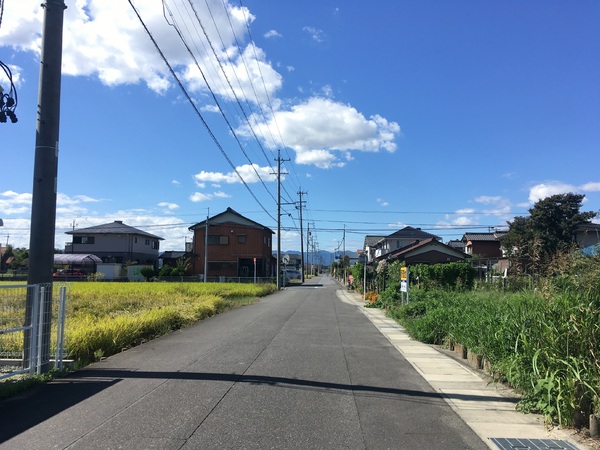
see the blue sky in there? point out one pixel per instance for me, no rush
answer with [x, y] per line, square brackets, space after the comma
[449, 116]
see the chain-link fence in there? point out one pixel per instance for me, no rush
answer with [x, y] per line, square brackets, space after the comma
[32, 319]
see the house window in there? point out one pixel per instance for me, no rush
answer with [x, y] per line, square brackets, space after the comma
[83, 239]
[218, 240]
[147, 242]
[135, 240]
[155, 245]
[241, 238]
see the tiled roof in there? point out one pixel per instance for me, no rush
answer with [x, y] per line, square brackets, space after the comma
[233, 216]
[371, 240]
[116, 227]
[488, 237]
[417, 244]
[413, 233]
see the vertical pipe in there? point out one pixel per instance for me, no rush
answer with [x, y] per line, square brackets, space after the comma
[41, 326]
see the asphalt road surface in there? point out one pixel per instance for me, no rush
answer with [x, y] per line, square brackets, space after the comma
[300, 369]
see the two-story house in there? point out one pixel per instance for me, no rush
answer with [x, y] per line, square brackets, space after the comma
[400, 239]
[115, 242]
[483, 245]
[236, 245]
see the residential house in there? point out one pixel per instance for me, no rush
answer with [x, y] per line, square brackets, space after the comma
[483, 245]
[172, 258]
[587, 235]
[400, 239]
[427, 251]
[457, 244]
[116, 243]
[236, 245]
[370, 246]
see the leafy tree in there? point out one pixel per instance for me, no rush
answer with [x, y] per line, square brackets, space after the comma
[147, 272]
[20, 257]
[548, 230]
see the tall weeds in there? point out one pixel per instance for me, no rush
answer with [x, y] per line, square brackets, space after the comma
[544, 342]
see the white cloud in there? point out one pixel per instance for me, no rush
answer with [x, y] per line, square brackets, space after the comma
[382, 202]
[318, 158]
[272, 34]
[543, 190]
[72, 210]
[197, 197]
[251, 173]
[465, 211]
[176, 183]
[318, 127]
[593, 186]
[221, 194]
[169, 206]
[104, 38]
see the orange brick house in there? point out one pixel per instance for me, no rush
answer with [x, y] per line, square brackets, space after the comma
[234, 243]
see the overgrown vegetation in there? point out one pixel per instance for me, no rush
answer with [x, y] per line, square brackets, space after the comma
[543, 341]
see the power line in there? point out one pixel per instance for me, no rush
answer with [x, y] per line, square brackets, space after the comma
[191, 102]
[178, 30]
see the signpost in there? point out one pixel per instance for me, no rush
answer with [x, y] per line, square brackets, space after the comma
[404, 283]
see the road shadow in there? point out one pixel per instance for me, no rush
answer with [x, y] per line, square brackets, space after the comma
[21, 413]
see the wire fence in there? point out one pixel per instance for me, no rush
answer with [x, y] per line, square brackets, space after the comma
[32, 328]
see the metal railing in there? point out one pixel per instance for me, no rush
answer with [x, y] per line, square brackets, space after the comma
[24, 340]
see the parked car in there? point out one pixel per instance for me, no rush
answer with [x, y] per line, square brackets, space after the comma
[293, 274]
[70, 274]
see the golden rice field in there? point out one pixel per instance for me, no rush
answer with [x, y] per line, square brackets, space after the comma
[106, 318]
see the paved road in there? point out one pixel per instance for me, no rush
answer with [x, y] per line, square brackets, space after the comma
[299, 369]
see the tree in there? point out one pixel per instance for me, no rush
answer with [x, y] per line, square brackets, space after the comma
[549, 230]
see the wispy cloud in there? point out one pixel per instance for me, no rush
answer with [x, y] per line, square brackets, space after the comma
[315, 34]
[272, 34]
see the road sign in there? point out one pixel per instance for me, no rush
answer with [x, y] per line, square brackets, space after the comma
[403, 276]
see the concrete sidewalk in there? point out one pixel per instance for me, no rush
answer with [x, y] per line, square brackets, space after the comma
[488, 408]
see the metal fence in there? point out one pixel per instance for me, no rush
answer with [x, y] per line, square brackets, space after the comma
[31, 334]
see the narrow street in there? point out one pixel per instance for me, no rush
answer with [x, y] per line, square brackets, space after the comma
[299, 369]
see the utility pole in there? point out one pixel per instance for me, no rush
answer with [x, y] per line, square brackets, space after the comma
[45, 171]
[307, 245]
[344, 257]
[279, 161]
[301, 236]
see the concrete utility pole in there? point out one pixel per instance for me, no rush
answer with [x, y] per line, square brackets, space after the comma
[279, 161]
[301, 236]
[45, 171]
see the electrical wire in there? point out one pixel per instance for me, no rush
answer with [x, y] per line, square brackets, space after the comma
[215, 99]
[191, 102]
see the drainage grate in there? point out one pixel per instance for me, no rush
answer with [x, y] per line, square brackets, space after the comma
[532, 444]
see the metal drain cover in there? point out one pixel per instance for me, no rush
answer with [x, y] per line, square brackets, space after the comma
[532, 444]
